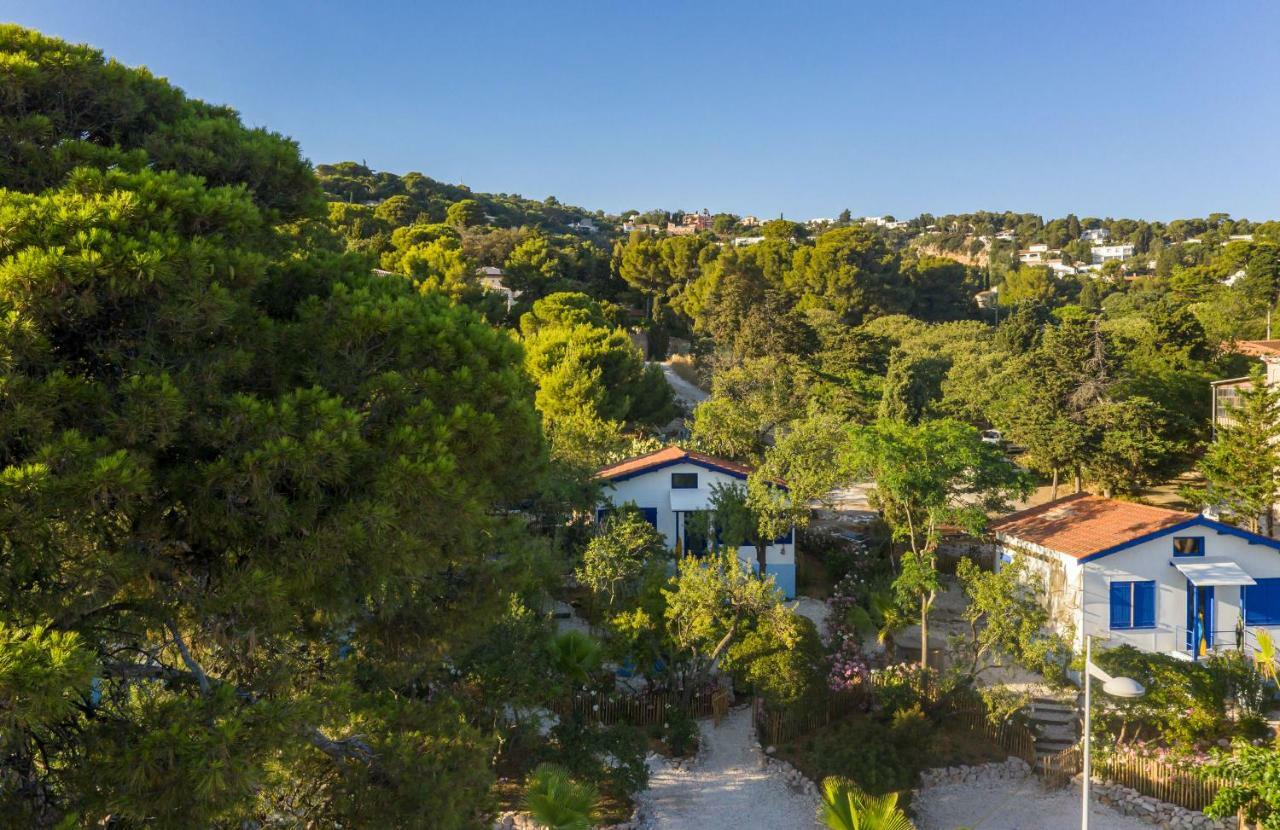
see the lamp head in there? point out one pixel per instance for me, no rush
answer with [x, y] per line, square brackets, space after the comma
[1123, 687]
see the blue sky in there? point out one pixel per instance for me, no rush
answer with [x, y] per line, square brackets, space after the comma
[1143, 109]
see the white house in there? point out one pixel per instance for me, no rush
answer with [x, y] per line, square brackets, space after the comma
[491, 279]
[1105, 253]
[1096, 235]
[585, 224]
[669, 485]
[1160, 580]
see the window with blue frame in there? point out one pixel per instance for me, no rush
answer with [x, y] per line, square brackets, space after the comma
[1188, 546]
[684, 481]
[1133, 605]
[1262, 602]
[650, 515]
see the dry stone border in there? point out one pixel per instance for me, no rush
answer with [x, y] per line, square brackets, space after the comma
[1162, 814]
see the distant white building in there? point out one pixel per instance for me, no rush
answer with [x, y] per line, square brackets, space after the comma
[1105, 253]
[1096, 235]
[1038, 254]
[884, 222]
[1061, 269]
[586, 224]
[1006, 236]
[750, 222]
[491, 280]
[744, 241]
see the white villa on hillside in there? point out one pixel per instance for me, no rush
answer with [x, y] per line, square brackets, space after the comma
[669, 485]
[1105, 253]
[1161, 580]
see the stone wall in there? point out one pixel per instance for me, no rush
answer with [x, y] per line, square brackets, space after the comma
[1013, 769]
[1160, 813]
[521, 821]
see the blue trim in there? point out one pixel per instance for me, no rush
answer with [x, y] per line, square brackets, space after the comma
[1261, 602]
[1194, 521]
[697, 462]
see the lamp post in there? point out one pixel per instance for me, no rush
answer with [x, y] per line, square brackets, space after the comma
[1116, 687]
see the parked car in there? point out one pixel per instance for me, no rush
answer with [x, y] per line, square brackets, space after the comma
[992, 436]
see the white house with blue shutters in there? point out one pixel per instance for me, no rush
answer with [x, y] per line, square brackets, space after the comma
[1160, 580]
[670, 486]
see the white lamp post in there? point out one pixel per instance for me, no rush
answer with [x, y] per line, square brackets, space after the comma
[1114, 686]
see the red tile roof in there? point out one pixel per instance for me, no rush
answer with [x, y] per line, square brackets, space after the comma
[668, 455]
[1258, 348]
[1082, 525]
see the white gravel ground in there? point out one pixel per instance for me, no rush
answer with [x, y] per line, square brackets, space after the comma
[1011, 805]
[727, 789]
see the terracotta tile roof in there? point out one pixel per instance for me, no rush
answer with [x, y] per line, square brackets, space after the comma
[668, 455]
[1082, 525]
[1258, 348]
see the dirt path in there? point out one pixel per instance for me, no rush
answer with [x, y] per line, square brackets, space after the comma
[686, 392]
[728, 789]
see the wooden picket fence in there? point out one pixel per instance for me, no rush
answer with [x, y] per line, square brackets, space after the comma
[641, 709]
[1149, 776]
[1012, 737]
[1153, 777]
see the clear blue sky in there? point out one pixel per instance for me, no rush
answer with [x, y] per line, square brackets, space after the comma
[1142, 109]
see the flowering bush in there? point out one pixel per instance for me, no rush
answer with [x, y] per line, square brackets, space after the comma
[849, 668]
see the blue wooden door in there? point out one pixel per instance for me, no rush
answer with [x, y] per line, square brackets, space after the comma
[1199, 619]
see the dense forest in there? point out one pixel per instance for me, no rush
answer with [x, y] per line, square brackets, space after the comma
[287, 489]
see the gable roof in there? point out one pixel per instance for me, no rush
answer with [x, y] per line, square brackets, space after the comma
[1258, 348]
[665, 458]
[1084, 526]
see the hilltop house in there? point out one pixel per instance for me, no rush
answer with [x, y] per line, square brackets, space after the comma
[1105, 253]
[1226, 393]
[671, 485]
[1160, 580]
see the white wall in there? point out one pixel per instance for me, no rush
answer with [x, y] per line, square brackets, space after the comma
[653, 489]
[1152, 560]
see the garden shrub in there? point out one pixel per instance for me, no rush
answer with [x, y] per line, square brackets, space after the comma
[880, 756]
[611, 757]
[680, 732]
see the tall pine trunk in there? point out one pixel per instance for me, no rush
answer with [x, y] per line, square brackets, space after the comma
[924, 632]
[1054, 494]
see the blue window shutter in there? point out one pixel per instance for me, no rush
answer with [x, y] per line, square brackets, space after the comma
[1144, 605]
[1262, 602]
[650, 515]
[785, 539]
[602, 513]
[1121, 604]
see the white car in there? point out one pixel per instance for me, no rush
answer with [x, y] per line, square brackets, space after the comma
[992, 436]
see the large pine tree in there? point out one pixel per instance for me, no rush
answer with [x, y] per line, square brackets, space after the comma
[251, 496]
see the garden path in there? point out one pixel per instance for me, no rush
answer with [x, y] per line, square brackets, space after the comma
[727, 789]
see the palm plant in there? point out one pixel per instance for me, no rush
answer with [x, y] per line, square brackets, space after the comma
[575, 655]
[845, 806]
[1266, 655]
[557, 802]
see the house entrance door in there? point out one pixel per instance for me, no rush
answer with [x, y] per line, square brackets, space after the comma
[1199, 619]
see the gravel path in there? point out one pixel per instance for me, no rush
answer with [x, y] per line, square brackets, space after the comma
[727, 789]
[688, 394]
[1011, 805]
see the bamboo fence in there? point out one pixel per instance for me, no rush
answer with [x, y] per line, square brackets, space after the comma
[1150, 776]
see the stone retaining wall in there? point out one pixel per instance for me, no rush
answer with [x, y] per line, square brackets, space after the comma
[1013, 769]
[1160, 813]
[521, 821]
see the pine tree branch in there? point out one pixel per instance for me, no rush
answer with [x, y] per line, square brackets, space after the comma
[190, 661]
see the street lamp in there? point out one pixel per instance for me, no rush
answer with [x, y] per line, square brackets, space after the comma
[1116, 687]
